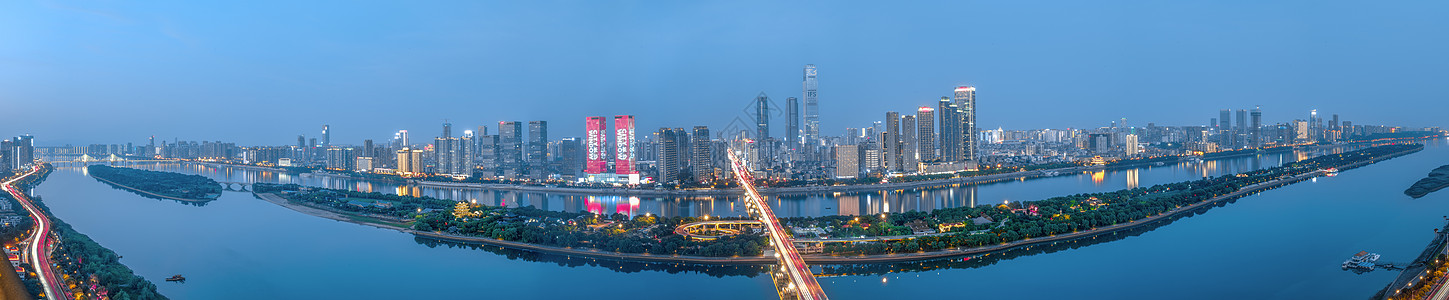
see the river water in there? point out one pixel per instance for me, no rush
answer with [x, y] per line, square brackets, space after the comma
[1282, 243]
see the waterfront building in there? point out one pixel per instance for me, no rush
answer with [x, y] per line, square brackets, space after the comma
[538, 149]
[950, 130]
[910, 160]
[595, 145]
[892, 142]
[510, 149]
[570, 157]
[926, 133]
[624, 146]
[670, 160]
[701, 163]
[1240, 131]
[1256, 136]
[1130, 145]
[966, 105]
[847, 161]
[812, 108]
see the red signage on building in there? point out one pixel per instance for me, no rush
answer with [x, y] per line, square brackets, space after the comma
[624, 145]
[597, 160]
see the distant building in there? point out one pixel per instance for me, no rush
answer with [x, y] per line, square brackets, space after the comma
[702, 165]
[624, 145]
[966, 105]
[847, 161]
[538, 149]
[510, 149]
[926, 133]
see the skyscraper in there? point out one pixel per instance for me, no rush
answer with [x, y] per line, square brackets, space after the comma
[812, 109]
[624, 145]
[966, 104]
[762, 131]
[1256, 132]
[538, 149]
[464, 153]
[671, 154]
[892, 142]
[701, 164]
[909, 158]
[792, 123]
[595, 145]
[950, 133]
[926, 133]
[1225, 122]
[571, 156]
[510, 149]
[1240, 132]
[326, 136]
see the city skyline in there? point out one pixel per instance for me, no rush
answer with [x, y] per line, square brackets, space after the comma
[210, 80]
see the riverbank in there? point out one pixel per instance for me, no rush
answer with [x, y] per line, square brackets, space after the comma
[323, 213]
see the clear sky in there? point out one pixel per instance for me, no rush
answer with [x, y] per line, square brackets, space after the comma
[262, 72]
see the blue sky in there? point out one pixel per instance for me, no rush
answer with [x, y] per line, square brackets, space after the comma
[261, 72]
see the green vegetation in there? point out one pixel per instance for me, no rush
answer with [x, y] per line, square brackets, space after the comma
[1437, 179]
[161, 183]
[617, 232]
[1059, 215]
[87, 263]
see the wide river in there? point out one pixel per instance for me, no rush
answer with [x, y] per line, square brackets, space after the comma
[1282, 243]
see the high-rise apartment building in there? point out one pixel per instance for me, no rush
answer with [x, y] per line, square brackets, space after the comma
[702, 165]
[909, 159]
[596, 145]
[792, 125]
[950, 133]
[326, 136]
[966, 104]
[510, 149]
[670, 160]
[1256, 131]
[538, 149]
[847, 161]
[926, 133]
[892, 142]
[1225, 121]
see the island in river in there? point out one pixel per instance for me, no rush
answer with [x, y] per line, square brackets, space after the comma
[1437, 179]
[838, 239]
[168, 185]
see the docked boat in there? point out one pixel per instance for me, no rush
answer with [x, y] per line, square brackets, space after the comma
[1363, 260]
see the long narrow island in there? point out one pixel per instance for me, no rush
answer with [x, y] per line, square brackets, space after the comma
[157, 184]
[891, 237]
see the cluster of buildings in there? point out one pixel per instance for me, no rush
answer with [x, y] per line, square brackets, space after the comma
[940, 137]
[16, 154]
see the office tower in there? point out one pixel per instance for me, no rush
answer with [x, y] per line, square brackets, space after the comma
[1301, 131]
[24, 150]
[701, 163]
[364, 164]
[463, 154]
[909, 158]
[510, 149]
[1100, 143]
[966, 104]
[367, 149]
[341, 159]
[892, 142]
[812, 108]
[950, 137]
[763, 155]
[409, 161]
[1241, 130]
[670, 154]
[1130, 145]
[443, 151]
[538, 149]
[570, 156]
[870, 156]
[847, 161]
[624, 145]
[1257, 129]
[792, 124]
[447, 129]
[596, 141]
[7, 156]
[1225, 128]
[926, 133]
[1313, 129]
[488, 155]
[402, 139]
[326, 136]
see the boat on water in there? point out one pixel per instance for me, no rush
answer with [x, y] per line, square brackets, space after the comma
[176, 277]
[1363, 260]
[1330, 172]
